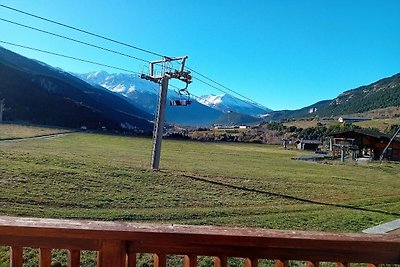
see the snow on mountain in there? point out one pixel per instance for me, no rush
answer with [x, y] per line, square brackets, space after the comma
[226, 102]
[42, 94]
[144, 94]
[141, 93]
[124, 84]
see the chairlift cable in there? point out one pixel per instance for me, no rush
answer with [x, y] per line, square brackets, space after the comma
[223, 86]
[75, 40]
[82, 31]
[254, 103]
[69, 57]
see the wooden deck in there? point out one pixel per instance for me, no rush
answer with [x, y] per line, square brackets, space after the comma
[118, 243]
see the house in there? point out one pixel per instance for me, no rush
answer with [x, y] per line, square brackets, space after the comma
[307, 144]
[351, 119]
[366, 143]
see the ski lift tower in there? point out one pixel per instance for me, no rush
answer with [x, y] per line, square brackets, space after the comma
[163, 78]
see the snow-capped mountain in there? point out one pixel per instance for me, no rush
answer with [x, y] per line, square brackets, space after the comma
[141, 92]
[144, 94]
[39, 93]
[228, 103]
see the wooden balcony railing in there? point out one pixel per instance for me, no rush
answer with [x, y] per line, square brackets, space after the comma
[118, 243]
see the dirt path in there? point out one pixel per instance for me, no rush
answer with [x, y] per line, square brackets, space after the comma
[45, 136]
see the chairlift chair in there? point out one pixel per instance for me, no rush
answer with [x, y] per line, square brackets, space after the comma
[184, 98]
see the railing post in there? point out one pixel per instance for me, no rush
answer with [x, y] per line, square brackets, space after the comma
[74, 258]
[131, 261]
[250, 262]
[220, 261]
[160, 260]
[112, 254]
[16, 256]
[190, 261]
[44, 257]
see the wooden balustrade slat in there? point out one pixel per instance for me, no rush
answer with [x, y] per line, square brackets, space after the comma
[220, 261]
[342, 264]
[131, 260]
[160, 260]
[190, 261]
[281, 263]
[312, 264]
[250, 262]
[312, 252]
[112, 254]
[16, 256]
[74, 258]
[44, 257]
[114, 239]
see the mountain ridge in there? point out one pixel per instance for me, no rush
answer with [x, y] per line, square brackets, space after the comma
[37, 92]
[144, 94]
[123, 106]
[383, 93]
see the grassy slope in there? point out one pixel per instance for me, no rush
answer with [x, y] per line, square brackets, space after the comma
[310, 123]
[381, 124]
[106, 177]
[23, 131]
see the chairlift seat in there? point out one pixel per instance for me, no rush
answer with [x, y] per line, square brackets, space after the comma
[180, 102]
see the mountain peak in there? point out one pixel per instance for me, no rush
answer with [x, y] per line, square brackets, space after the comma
[227, 102]
[97, 74]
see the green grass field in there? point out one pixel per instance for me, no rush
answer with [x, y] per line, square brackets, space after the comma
[105, 177]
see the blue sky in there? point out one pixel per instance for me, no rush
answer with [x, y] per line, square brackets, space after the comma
[284, 54]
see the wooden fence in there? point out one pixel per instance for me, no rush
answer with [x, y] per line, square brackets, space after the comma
[118, 243]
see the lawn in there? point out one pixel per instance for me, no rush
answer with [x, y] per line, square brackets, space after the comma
[107, 177]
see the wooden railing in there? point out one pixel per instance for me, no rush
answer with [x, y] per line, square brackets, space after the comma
[118, 243]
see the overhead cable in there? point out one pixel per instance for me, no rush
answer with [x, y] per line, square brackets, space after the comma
[70, 57]
[223, 86]
[87, 61]
[254, 103]
[74, 40]
[80, 30]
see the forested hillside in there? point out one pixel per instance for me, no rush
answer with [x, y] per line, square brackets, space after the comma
[381, 94]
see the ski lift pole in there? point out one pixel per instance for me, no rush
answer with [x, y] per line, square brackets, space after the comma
[159, 124]
[163, 79]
